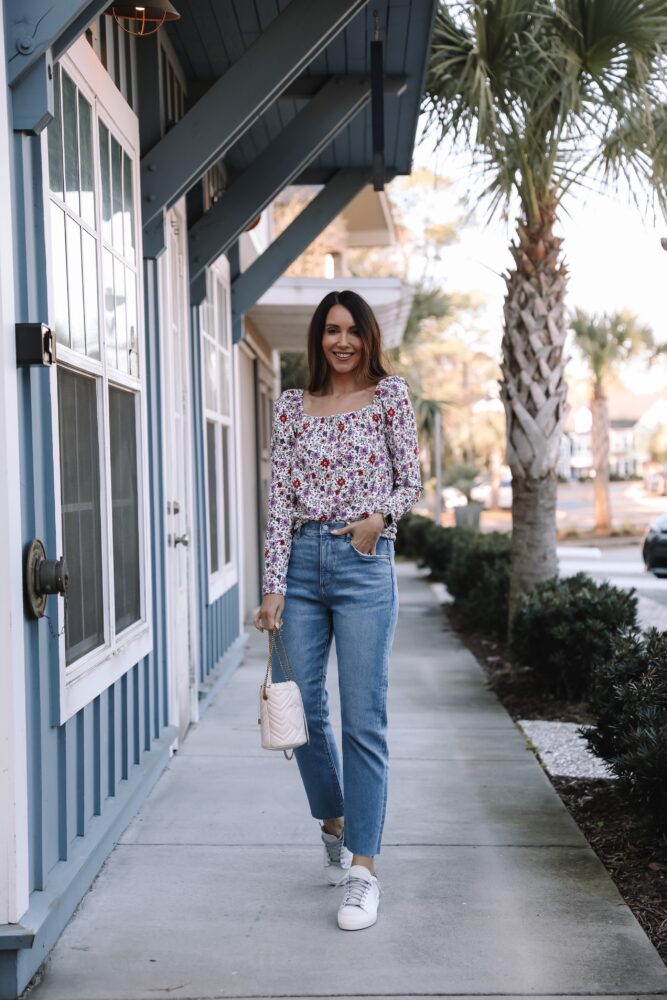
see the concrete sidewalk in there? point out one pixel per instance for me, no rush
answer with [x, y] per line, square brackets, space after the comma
[216, 891]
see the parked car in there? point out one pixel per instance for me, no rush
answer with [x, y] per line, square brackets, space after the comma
[481, 491]
[654, 549]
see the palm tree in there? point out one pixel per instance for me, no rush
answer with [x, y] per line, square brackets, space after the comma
[547, 95]
[606, 342]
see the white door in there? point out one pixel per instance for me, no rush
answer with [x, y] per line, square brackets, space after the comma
[175, 364]
[248, 481]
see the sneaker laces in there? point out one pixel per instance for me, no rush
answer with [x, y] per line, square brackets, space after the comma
[334, 849]
[356, 891]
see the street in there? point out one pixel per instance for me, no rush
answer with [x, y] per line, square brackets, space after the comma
[617, 560]
[622, 566]
[632, 509]
[631, 505]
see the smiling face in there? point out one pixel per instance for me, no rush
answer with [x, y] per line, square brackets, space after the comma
[342, 343]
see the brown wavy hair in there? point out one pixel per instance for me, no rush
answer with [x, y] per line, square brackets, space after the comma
[374, 363]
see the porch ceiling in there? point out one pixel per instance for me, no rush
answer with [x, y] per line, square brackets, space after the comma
[284, 311]
[214, 34]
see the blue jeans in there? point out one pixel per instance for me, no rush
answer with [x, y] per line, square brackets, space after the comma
[335, 591]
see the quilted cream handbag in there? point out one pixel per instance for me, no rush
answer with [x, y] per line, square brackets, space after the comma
[281, 715]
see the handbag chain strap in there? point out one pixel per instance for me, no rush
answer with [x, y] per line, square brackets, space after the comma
[288, 673]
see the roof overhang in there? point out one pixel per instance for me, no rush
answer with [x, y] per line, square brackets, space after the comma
[283, 313]
[368, 220]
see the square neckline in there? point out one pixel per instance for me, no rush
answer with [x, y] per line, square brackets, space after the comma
[343, 413]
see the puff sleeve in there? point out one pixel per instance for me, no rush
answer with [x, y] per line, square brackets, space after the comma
[281, 505]
[401, 437]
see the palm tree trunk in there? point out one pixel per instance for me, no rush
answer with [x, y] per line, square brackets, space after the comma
[534, 545]
[600, 448]
[534, 392]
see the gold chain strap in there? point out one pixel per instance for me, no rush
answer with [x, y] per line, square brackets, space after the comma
[288, 673]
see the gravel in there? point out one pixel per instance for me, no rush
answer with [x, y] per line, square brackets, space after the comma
[562, 750]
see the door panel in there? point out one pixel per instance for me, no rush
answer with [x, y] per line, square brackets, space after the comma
[175, 360]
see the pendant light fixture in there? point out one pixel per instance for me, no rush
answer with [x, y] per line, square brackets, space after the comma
[143, 19]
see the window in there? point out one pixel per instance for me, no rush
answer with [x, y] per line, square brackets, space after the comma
[217, 380]
[80, 496]
[94, 284]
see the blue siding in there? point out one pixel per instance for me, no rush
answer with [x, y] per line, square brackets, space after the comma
[88, 776]
[221, 627]
[75, 769]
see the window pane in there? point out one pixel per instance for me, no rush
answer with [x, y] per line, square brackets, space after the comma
[211, 363]
[71, 144]
[117, 194]
[59, 274]
[106, 182]
[226, 473]
[55, 134]
[86, 161]
[128, 205]
[212, 497]
[132, 329]
[121, 318]
[109, 299]
[75, 287]
[80, 492]
[125, 506]
[89, 247]
[223, 363]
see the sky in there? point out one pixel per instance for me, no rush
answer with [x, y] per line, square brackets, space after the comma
[613, 252]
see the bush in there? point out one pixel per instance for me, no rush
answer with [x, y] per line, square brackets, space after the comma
[411, 540]
[474, 567]
[629, 702]
[563, 628]
[477, 576]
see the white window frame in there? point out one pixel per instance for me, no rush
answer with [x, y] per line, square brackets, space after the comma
[82, 681]
[226, 576]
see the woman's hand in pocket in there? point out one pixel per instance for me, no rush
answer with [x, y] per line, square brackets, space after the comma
[270, 612]
[365, 533]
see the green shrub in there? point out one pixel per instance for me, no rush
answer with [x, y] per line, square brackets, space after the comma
[413, 530]
[564, 627]
[629, 702]
[474, 567]
[477, 576]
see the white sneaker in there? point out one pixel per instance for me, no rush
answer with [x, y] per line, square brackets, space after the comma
[359, 909]
[337, 858]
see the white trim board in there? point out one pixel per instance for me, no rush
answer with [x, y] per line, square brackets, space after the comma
[14, 877]
[93, 673]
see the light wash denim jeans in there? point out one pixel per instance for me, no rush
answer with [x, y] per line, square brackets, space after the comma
[335, 591]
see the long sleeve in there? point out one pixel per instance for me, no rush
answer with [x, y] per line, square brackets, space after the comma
[280, 515]
[402, 444]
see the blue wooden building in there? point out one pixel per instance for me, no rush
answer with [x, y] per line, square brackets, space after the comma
[135, 174]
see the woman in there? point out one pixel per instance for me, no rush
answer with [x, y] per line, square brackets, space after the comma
[345, 468]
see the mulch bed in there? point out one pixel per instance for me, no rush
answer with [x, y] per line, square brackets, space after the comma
[632, 855]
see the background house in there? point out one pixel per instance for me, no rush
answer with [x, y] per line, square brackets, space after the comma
[636, 424]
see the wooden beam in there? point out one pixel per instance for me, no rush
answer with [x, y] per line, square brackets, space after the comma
[34, 26]
[248, 288]
[239, 97]
[296, 146]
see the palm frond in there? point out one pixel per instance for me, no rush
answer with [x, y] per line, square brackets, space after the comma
[551, 91]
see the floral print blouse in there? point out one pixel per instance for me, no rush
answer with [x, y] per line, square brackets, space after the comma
[339, 467]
